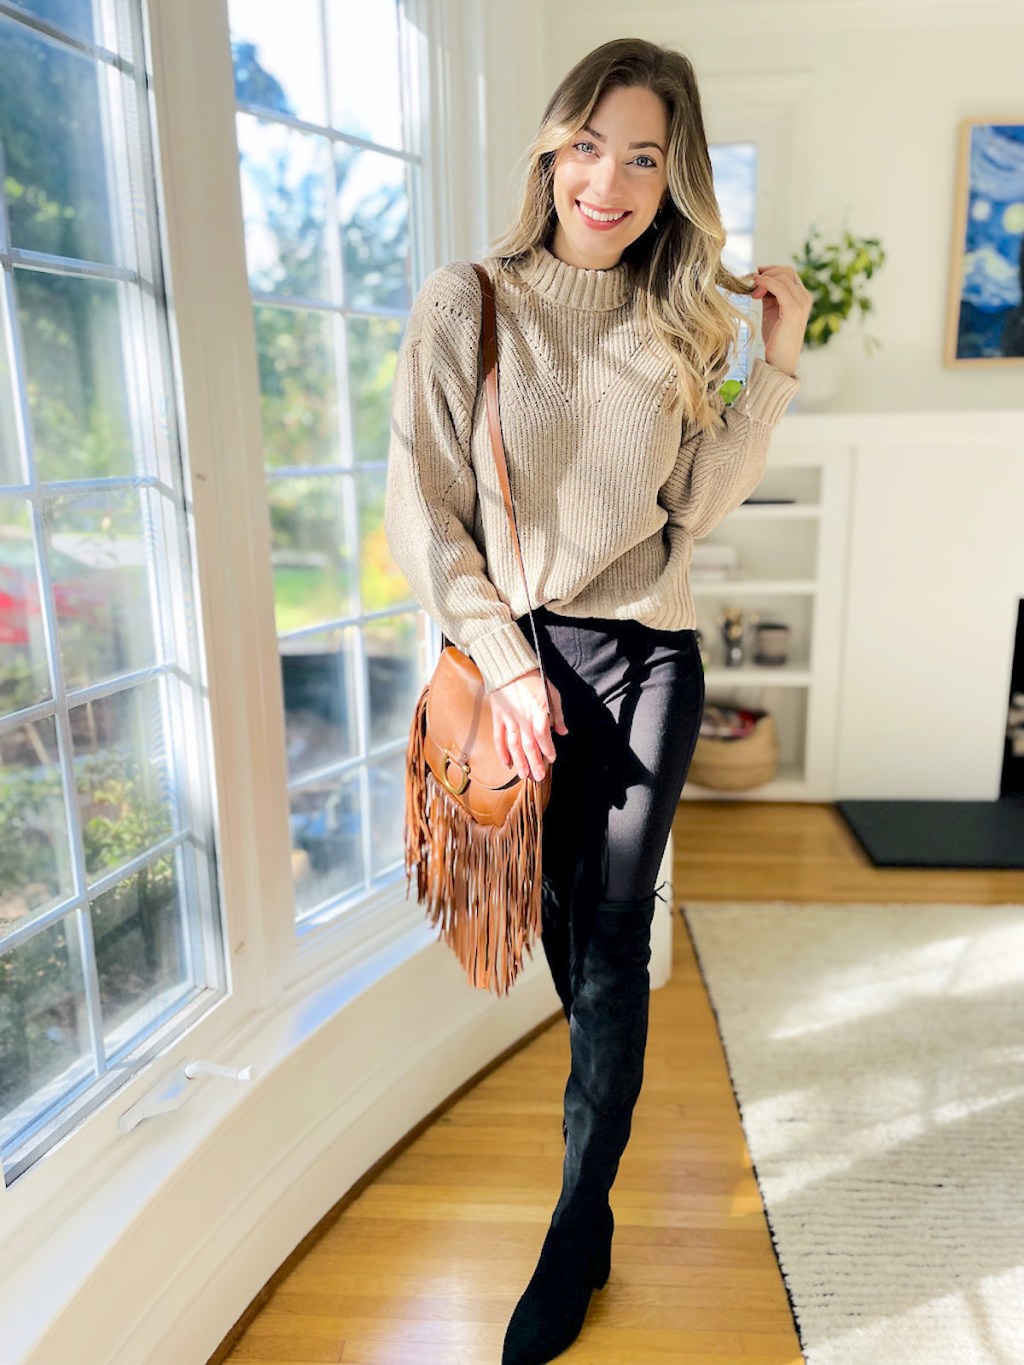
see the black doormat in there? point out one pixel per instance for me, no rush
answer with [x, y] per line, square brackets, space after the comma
[986, 834]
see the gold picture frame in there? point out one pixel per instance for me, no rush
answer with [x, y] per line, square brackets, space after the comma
[985, 318]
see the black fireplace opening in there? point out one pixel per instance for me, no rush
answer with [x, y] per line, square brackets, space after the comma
[1012, 781]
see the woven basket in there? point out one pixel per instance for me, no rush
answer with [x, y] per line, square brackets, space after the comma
[737, 764]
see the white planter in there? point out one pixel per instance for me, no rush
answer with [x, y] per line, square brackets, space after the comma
[818, 370]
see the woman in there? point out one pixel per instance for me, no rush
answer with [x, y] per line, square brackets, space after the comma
[614, 333]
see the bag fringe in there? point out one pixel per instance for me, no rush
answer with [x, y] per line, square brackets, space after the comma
[470, 877]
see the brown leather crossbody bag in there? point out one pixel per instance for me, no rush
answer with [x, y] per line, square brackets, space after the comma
[473, 827]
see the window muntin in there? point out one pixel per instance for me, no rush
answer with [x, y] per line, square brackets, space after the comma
[109, 919]
[331, 183]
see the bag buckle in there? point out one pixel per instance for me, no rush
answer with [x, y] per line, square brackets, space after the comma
[455, 791]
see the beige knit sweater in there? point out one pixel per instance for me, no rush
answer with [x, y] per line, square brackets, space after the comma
[610, 490]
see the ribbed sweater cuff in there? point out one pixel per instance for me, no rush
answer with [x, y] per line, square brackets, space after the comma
[767, 392]
[502, 655]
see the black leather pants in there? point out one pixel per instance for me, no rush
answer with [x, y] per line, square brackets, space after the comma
[633, 698]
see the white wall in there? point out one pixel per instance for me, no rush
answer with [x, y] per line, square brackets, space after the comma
[866, 99]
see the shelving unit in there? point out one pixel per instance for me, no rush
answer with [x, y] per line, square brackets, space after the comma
[792, 557]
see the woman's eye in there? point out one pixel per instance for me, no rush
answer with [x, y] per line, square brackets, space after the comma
[581, 144]
[645, 157]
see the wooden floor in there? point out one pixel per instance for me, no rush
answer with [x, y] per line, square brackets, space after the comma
[425, 1265]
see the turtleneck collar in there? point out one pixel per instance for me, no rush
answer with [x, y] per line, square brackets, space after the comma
[573, 286]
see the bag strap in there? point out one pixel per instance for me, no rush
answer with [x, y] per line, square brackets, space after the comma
[489, 343]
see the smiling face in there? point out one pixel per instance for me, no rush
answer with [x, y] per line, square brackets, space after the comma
[610, 179]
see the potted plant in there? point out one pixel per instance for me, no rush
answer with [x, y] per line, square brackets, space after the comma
[835, 274]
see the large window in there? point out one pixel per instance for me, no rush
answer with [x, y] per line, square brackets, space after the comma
[109, 924]
[331, 179]
[735, 170]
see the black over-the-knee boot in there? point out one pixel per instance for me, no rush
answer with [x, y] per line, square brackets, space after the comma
[608, 1038]
[556, 939]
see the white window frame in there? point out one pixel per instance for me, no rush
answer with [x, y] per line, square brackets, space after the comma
[269, 967]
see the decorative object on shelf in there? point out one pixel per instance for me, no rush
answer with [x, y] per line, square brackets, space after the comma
[714, 562]
[834, 273]
[985, 321]
[772, 644]
[736, 749]
[731, 621]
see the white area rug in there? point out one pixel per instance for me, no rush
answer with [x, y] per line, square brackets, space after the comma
[877, 1055]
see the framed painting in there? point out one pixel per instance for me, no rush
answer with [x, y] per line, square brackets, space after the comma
[985, 323]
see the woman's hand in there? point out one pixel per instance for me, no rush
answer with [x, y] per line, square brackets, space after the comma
[786, 306]
[522, 730]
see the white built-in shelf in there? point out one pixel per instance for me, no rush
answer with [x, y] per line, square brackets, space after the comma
[782, 511]
[757, 675]
[791, 556]
[717, 586]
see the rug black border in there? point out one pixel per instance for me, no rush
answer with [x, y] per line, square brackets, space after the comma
[739, 1107]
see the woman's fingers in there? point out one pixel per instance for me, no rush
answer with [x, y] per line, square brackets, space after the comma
[557, 716]
[519, 760]
[501, 745]
[523, 736]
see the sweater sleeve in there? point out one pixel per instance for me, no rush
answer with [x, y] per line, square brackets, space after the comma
[715, 471]
[430, 492]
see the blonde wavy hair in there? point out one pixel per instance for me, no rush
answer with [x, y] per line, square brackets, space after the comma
[677, 266]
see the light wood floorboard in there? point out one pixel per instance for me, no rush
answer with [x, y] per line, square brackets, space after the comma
[424, 1265]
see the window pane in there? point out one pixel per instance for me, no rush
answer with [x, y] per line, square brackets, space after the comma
[57, 183]
[381, 582]
[35, 854]
[298, 391]
[44, 1026]
[326, 370]
[318, 674]
[97, 557]
[365, 76]
[312, 571]
[392, 653]
[74, 372]
[373, 208]
[372, 346]
[735, 170]
[24, 677]
[141, 952]
[328, 838]
[73, 16]
[92, 783]
[123, 775]
[284, 196]
[278, 56]
[387, 803]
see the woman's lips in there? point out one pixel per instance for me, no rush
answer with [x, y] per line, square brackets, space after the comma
[601, 227]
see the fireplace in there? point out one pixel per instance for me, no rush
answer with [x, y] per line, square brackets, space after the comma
[1012, 783]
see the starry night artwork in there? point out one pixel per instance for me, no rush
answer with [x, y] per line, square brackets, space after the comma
[986, 314]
